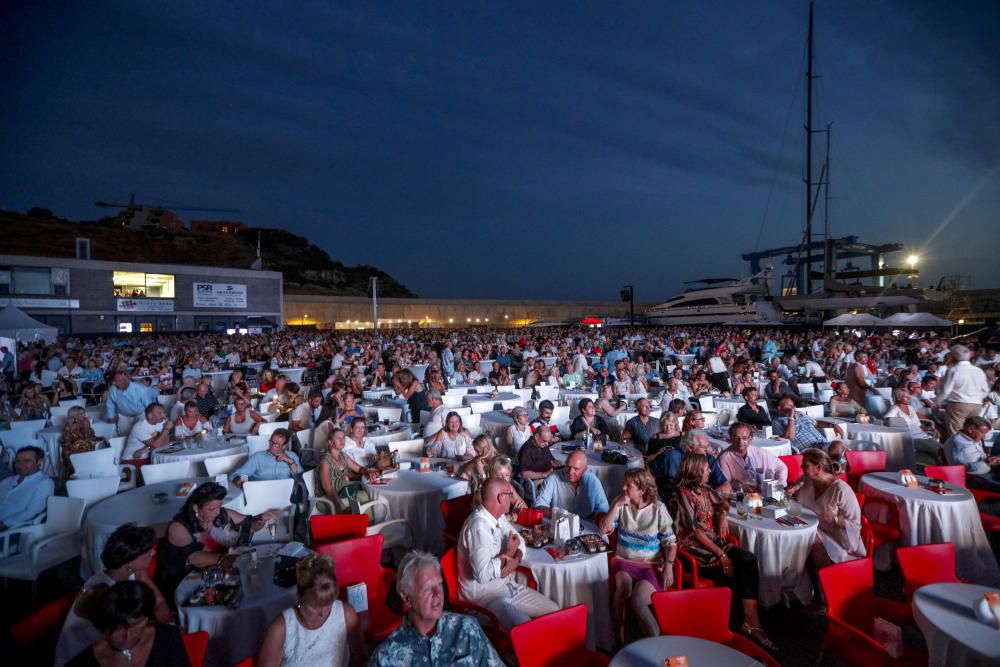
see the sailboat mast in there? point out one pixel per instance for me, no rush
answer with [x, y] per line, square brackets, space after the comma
[809, 133]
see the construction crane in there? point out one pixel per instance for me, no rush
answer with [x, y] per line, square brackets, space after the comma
[131, 204]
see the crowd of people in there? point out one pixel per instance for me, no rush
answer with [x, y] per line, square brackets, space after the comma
[946, 393]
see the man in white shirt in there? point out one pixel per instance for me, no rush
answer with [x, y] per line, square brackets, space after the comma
[438, 413]
[675, 389]
[580, 363]
[148, 434]
[489, 551]
[963, 389]
[305, 413]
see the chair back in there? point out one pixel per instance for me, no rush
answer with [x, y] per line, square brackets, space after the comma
[695, 612]
[449, 572]
[30, 425]
[98, 463]
[267, 428]
[552, 639]
[455, 511]
[926, 564]
[219, 465]
[58, 421]
[329, 528]
[867, 534]
[167, 401]
[117, 444]
[262, 495]
[849, 593]
[453, 400]
[40, 630]
[953, 474]
[480, 407]
[794, 464]
[413, 447]
[511, 403]
[358, 560]
[195, 645]
[392, 413]
[166, 472]
[105, 430]
[63, 515]
[92, 490]
[861, 461]
[257, 443]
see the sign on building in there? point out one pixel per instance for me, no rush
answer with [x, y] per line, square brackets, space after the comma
[145, 305]
[220, 295]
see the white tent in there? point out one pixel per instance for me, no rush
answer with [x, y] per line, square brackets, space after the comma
[20, 327]
[854, 320]
[917, 320]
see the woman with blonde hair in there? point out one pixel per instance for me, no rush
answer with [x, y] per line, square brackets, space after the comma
[320, 629]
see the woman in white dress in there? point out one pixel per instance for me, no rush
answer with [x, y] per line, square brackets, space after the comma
[517, 433]
[319, 631]
[451, 442]
[902, 410]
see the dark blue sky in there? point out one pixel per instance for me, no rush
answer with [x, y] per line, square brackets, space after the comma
[516, 150]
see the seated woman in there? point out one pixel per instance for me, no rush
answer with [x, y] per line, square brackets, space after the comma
[77, 437]
[644, 557]
[700, 384]
[821, 490]
[434, 379]
[588, 421]
[243, 421]
[474, 470]
[702, 527]
[32, 404]
[842, 405]
[126, 556]
[320, 629]
[358, 447]
[903, 410]
[608, 412]
[348, 411]
[232, 386]
[515, 435]
[64, 388]
[338, 473]
[501, 468]
[453, 441]
[200, 535]
[192, 423]
[125, 616]
[408, 387]
[267, 378]
[668, 438]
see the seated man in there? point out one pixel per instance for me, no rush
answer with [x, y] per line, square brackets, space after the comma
[801, 430]
[148, 434]
[536, 375]
[573, 488]
[544, 419]
[776, 388]
[666, 465]
[24, 494]
[743, 461]
[535, 458]
[438, 412]
[273, 463]
[429, 635]
[499, 376]
[641, 428]
[751, 413]
[489, 551]
[675, 390]
[967, 448]
[305, 413]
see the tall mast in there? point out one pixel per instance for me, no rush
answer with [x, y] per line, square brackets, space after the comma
[809, 133]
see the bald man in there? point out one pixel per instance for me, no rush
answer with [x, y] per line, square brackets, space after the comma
[573, 488]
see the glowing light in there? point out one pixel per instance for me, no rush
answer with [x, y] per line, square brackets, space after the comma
[912, 260]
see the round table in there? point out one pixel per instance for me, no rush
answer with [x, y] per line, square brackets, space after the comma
[234, 634]
[897, 443]
[416, 497]
[219, 380]
[384, 435]
[651, 652]
[955, 636]
[781, 553]
[208, 448]
[469, 399]
[496, 422]
[293, 374]
[926, 517]
[778, 447]
[611, 475]
[572, 396]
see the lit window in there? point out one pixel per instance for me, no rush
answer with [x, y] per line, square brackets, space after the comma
[124, 327]
[145, 327]
[134, 284]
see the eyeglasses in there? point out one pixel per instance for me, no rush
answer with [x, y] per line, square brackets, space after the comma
[504, 493]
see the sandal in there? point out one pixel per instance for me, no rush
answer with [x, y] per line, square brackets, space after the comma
[758, 635]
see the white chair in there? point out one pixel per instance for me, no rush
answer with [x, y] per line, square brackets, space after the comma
[317, 504]
[74, 402]
[425, 418]
[546, 393]
[560, 413]
[411, 447]
[266, 429]
[814, 411]
[59, 410]
[167, 401]
[393, 414]
[264, 495]
[706, 403]
[92, 490]
[712, 419]
[824, 395]
[807, 390]
[118, 445]
[512, 403]
[479, 407]
[452, 400]
[524, 394]
[166, 472]
[219, 465]
[31, 425]
[106, 430]
[396, 533]
[58, 420]
[464, 410]
[483, 389]
[98, 463]
[473, 423]
[257, 443]
[43, 545]
[505, 387]
[304, 438]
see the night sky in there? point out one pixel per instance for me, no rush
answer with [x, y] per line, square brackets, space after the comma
[517, 150]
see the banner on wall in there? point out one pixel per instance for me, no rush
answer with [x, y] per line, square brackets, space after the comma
[220, 295]
[145, 305]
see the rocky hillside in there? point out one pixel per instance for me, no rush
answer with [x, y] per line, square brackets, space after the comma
[308, 269]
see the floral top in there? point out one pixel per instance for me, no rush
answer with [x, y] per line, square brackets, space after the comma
[696, 510]
[76, 438]
[457, 640]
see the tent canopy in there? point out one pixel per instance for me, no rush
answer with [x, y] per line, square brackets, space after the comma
[854, 320]
[21, 327]
[590, 320]
[917, 320]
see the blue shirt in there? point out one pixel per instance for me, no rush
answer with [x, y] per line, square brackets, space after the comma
[588, 499]
[666, 467]
[806, 433]
[22, 500]
[457, 640]
[264, 466]
[131, 401]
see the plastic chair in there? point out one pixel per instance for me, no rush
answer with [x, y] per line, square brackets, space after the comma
[455, 511]
[37, 634]
[880, 532]
[166, 472]
[794, 464]
[559, 638]
[195, 644]
[690, 577]
[93, 489]
[359, 561]
[330, 528]
[413, 447]
[393, 414]
[861, 462]
[926, 564]
[487, 619]
[257, 443]
[223, 465]
[44, 545]
[851, 611]
[704, 614]
[395, 532]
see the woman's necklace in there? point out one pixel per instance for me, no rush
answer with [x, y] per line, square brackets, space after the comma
[127, 652]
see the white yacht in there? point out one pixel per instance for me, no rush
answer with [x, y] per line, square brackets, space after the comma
[722, 300]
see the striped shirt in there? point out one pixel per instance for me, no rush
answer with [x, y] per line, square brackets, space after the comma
[642, 533]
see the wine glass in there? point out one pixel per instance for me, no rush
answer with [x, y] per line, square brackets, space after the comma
[795, 508]
[272, 527]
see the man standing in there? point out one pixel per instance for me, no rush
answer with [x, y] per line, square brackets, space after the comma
[7, 363]
[743, 461]
[639, 430]
[963, 389]
[573, 488]
[448, 360]
[24, 495]
[127, 401]
[489, 551]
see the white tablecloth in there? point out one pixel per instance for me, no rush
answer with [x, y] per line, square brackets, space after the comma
[377, 394]
[611, 475]
[781, 553]
[207, 449]
[779, 447]
[469, 399]
[219, 380]
[651, 651]
[955, 636]
[572, 396]
[387, 434]
[928, 518]
[417, 497]
[234, 634]
[294, 374]
[897, 443]
[496, 422]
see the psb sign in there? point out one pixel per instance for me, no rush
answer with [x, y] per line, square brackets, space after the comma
[219, 295]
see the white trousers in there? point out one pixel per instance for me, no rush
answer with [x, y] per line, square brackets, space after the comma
[519, 604]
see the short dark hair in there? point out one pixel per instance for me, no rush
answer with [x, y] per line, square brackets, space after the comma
[546, 404]
[283, 432]
[152, 406]
[37, 451]
[123, 602]
[746, 391]
[315, 393]
[127, 543]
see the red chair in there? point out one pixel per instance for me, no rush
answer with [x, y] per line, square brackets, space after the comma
[689, 570]
[455, 511]
[36, 634]
[794, 464]
[851, 611]
[328, 528]
[880, 532]
[861, 462]
[704, 614]
[956, 475]
[196, 643]
[942, 459]
[926, 564]
[359, 560]
[249, 662]
[491, 624]
[555, 639]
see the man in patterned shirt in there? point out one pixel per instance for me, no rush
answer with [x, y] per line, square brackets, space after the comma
[429, 635]
[801, 430]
